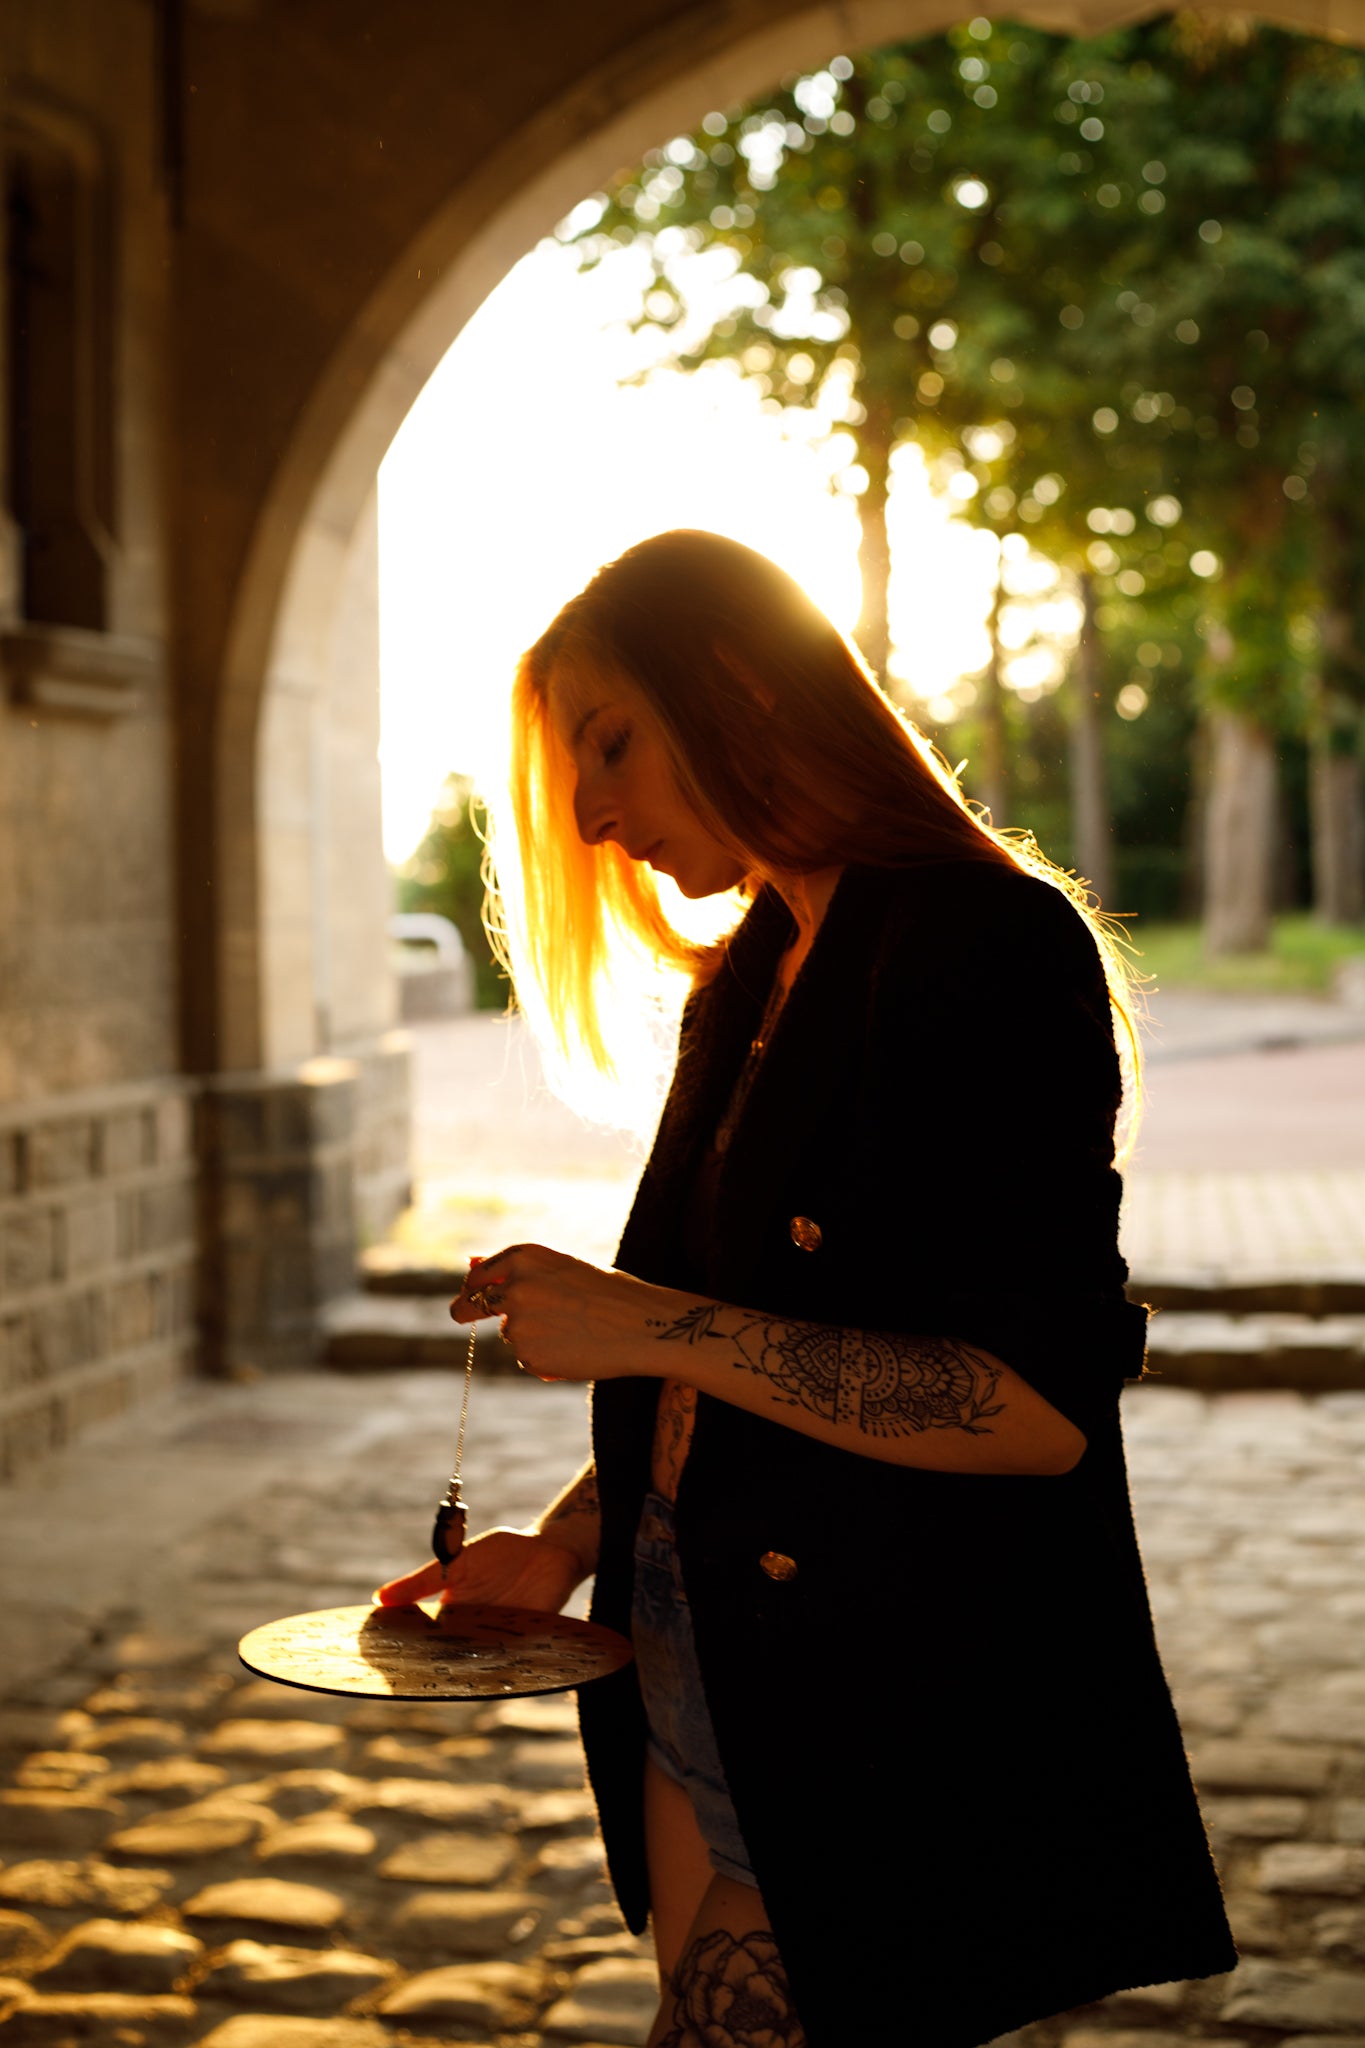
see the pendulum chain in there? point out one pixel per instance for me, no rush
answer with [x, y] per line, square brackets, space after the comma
[452, 1516]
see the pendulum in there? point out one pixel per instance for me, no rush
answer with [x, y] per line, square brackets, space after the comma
[452, 1516]
[441, 1650]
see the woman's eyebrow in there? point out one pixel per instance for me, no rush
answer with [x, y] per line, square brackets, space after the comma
[584, 722]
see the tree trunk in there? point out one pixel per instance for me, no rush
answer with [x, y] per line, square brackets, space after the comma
[992, 778]
[1239, 842]
[1336, 792]
[1092, 831]
[874, 564]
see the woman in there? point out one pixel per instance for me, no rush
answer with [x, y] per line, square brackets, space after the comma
[897, 1758]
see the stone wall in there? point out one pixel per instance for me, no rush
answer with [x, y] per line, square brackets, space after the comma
[98, 1258]
[299, 1168]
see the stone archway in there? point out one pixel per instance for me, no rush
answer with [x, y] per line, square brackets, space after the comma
[282, 927]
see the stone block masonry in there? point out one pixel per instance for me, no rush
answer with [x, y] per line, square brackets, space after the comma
[301, 1168]
[99, 1241]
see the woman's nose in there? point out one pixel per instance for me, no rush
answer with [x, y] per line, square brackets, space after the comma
[595, 815]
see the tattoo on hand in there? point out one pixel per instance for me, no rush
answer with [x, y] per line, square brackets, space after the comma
[582, 1501]
[885, 1385]
[732, 1989]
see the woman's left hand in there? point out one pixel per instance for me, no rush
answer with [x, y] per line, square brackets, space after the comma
[565, 1319]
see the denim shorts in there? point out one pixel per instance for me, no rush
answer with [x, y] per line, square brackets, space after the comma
[681, 1739]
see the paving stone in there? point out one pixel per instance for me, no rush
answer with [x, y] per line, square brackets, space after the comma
[56, 2019]
[1348, 1820]
[292, 1979]
[21, 1937]
[1315, 1714]
[1129, 2037]
[118, 1955]
[1159, 1998]
[1324, 2041]
[271, 1901]
[1313, 1867]
[1259, 1766]
[495, 1995]
[62, 1770]
[409, 1717]
[126, 1697]
[1339, 1934]
[541, 1714]
[1264, 1818]
[613, 2001]
[466, 1923]
[390, 1753]
[574, 1812]
[593, 1948]
[147, 1649]
[323, 1838]
[450, 1859]
[277, 2030]
[90, 1882]
[273, 1741]
[137, 1736]
[165, 1774]
[471, 1806]
[1258, 1923]
[261, 1699]
[575, 1860]
[180, 1840]
[1269, 1994]
[41, 1727]
[547, 1762]
[293, 1794]
[56, 1820]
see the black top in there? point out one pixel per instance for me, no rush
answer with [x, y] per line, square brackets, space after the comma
[949, 1742]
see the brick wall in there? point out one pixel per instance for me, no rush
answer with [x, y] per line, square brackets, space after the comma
[98, 1253]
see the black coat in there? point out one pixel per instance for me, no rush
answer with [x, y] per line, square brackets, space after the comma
[948, 1738]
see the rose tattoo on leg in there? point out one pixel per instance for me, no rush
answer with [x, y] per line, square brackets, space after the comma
[730, 1991]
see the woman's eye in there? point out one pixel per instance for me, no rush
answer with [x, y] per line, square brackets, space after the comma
[615, 747]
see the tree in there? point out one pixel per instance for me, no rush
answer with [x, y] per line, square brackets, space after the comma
[446, 875]
[1107, 287]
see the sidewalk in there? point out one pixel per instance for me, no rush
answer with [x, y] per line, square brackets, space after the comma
[1249, 1163]
[191, 1856]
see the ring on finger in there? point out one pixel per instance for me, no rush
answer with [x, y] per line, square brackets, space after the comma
[480, 1299]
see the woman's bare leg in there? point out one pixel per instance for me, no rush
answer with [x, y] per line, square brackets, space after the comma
[679, 1867]
[729, 1971]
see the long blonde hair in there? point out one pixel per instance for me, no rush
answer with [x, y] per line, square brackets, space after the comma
[784, 748]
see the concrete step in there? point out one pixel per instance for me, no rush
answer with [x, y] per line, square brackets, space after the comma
[1326, 1294]
[369, 1332]
[389, 1269]
[1215, 1352]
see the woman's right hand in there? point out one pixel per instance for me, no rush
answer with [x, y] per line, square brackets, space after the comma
[501, 1567]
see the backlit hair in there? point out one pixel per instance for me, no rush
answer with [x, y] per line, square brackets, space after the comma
[784, 748]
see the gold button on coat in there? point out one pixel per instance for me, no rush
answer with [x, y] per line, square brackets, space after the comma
[777, 1565]
[805, 1234]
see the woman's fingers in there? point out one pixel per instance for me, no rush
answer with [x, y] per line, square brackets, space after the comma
[487, 1279]
[428, 1579]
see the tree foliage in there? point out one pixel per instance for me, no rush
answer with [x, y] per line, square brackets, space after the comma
[1115, 290]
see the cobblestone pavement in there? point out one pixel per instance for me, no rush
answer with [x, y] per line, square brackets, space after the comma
[1250, 1163]
[192, 1856]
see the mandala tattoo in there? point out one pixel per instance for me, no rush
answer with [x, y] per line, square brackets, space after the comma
[730, 1991]
[874, 1381]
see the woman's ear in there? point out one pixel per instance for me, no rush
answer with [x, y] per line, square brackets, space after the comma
[747, 676]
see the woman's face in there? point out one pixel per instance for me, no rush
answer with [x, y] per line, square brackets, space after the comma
[624, 788]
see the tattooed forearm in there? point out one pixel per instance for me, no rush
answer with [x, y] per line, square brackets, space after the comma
[574, 1521]
[880, 1384]
[733, 1989]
